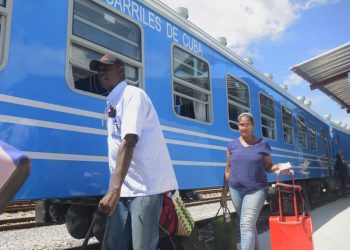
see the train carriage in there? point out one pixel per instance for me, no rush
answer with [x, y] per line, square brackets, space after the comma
[52, 106]
[341, 141]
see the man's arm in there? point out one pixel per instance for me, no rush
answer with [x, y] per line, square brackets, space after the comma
[109, 202]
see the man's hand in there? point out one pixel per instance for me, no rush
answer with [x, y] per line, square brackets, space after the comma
[109, 202]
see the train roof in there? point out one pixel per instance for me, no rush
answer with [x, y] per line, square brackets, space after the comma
[329, 72]
[184, 23]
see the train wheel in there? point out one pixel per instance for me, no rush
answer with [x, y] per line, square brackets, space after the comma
[78, 219]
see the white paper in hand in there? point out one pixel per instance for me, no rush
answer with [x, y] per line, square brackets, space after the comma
[284, 166]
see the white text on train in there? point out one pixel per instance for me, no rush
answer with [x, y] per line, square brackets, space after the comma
[155, 22]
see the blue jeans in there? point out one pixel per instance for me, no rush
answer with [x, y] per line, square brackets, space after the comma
[135, 221]
[248, 205]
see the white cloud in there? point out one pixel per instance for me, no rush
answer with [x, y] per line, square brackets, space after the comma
[293, 80]
[309, 4]
[318, 99]
[245, 21]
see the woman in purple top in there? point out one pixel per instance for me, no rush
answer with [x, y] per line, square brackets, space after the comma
[247, 160]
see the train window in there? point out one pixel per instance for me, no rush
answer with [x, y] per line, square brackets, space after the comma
[267, 109]
[1, 26]
[191, 86]
[97, 31]
[238, 100]
[301, 131]
[287, 126]
[324, 140]
[337, 142]
[312, 135]
[4, 28]
[94, 23]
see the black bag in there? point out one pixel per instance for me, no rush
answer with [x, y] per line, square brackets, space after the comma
[224, 231]
[287, 204]
[332, 184]
[287, 201]
[192, 242]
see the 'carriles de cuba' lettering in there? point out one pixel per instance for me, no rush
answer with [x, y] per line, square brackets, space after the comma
[137, 12]
[155, 22]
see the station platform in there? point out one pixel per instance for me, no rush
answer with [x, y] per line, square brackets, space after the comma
[330, 224]
[331, 227]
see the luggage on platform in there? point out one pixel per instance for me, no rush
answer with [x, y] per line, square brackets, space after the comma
[14, 170]
[224, 231]
[290, 232]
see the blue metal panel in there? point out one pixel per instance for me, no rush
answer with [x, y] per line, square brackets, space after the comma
[70, 147]
[65, 179]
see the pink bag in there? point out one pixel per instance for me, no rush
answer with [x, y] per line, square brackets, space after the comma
[14, 170]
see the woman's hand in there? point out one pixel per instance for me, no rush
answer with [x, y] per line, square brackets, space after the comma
[285, 171]
[283, 168]
[223, 201]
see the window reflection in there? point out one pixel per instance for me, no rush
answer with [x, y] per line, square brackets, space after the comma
[287, 126]
[94, 27]
[191, 86]
[267, 109]
[238, 100]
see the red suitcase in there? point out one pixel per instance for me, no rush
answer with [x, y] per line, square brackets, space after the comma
[291, 232]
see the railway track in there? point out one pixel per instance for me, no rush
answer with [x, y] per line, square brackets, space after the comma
[204, 225]
[20, 206]
[19, 215]
[207, 196]
[16, 213]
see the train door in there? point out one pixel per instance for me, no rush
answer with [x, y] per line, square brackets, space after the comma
[338, 149]
[325, 148]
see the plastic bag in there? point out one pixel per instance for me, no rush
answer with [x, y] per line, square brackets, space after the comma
[224, 231]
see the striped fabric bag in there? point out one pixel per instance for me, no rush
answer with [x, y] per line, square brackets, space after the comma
[185, 221]
[14, 170]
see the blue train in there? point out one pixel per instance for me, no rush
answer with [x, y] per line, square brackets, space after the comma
[52, 106]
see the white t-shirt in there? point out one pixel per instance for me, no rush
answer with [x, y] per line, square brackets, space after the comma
[151, 171]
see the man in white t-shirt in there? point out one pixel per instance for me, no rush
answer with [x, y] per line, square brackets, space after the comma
[139, 162]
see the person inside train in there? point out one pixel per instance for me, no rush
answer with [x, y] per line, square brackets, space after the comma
[247, 159]
[341, 171]
[139, 162]
[90, 84]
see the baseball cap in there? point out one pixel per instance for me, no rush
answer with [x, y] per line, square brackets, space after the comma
[107, 60]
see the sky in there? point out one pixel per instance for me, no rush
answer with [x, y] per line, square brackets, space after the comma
[278, 34]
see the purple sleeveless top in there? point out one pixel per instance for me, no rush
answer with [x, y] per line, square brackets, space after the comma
[247, 164]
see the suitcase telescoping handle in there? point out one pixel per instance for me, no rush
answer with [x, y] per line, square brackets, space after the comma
[289, 187]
